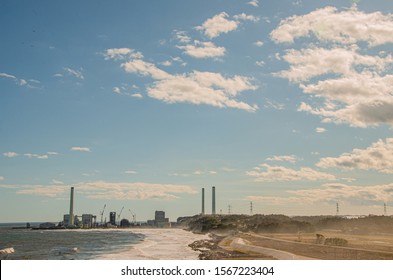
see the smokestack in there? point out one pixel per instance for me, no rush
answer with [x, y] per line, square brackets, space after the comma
[71, 218]
[213, 200]
[203, 201]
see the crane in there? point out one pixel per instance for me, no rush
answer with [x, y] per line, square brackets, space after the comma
[118, 216]
[102, 214]
[133, 216]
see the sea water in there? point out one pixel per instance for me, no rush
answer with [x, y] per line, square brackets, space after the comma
[86, 244]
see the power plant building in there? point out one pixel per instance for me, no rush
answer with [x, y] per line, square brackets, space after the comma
[159, 220]
[112, 218]
[71, 215]
[87, 220]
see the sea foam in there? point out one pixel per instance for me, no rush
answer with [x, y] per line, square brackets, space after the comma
[160, 244]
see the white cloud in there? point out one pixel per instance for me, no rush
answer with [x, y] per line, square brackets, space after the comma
[281, 173]
[130, 172]
[137, 95]
[1, 178]
[107, 190]
[76, 73]
[345, 27]
[52, 191]
[253, 3]
[260, 63]
[80, 149]
[132, 191]
[312, 62]
[121, 53]
[36, 156]
[145, 69]
[57, 182]
[339, 192]
[290, 158]
[320, 130]
[246, 17]
[195, 88]
[359, 114]
[259, 43]
[355, 88]
[331, 193]
[116, 90]
[19, 82]
[10, 154]
[203, 50]
[218, 24]
[5, 75]
[274, 104]
[297, 3]
[379, 157]
[166, 63]
[182, 36]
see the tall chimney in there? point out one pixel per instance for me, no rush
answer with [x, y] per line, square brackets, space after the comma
[213, 200]
[71, 218]
[203, 201]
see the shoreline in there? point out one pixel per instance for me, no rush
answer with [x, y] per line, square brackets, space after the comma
[219, 247]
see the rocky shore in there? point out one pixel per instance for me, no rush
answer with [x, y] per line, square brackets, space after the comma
[215, 249]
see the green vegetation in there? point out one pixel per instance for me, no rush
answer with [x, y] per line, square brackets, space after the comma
[285, 224]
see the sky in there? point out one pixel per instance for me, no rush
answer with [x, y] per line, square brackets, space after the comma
[285, 105]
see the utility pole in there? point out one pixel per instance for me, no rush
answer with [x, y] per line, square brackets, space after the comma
[251, 208]
[337, 209]
[384, 209]
[229, 209]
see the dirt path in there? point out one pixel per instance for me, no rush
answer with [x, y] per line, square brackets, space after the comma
[315, 251]
[239, 243]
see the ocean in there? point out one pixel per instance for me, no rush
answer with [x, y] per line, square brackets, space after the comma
[105, 244]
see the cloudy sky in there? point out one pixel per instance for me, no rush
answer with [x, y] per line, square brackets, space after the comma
[286, 104]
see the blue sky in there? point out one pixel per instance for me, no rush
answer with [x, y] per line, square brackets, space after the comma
[285, 104]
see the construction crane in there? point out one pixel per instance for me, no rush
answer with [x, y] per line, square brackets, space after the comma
[133, 216]
[118, 216]
[102, 214]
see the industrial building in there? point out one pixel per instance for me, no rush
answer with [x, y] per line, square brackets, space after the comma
[112, 218]
[159, 220]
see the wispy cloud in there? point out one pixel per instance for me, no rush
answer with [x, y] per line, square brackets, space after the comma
[19, 81]
[289, 158]
[259, 43]
[268, 173]
[330, 194]
[36, 156]
[10, 154]
[254, 3]
[75, 73]
[320, 130]
[107, 190]
[80, 149]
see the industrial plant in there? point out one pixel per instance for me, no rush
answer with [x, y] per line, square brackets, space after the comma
[87, 220]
